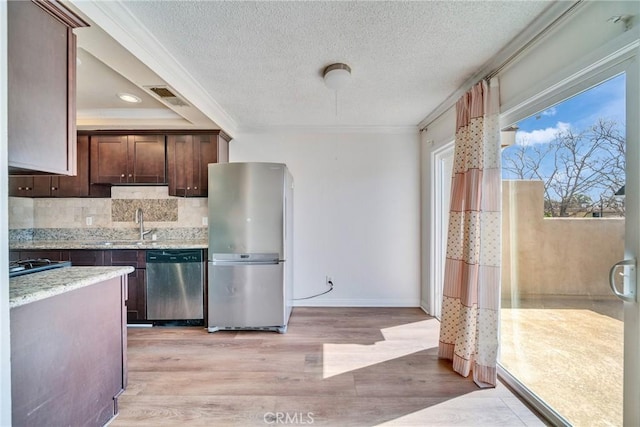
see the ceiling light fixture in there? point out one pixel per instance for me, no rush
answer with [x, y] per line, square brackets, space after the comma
[336, 76]
[127, 97]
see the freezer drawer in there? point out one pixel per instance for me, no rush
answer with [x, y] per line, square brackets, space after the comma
[246, 296]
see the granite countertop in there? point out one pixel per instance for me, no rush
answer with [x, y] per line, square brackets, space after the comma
[37, 286]
[108, 244]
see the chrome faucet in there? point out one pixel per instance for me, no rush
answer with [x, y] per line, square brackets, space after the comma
[140, 220]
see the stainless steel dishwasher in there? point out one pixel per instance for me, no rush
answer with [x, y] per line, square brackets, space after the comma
[175, 285]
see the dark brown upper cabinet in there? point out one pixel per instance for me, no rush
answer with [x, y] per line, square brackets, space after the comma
[128, 159]
[41, 87]
[59, 186]
[187, 159]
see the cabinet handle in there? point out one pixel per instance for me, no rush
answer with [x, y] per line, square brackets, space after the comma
[20, 188]
[195, 188]
[122, 176]
[54, 188]
[130, 175]
[27, 188]
[188, 188]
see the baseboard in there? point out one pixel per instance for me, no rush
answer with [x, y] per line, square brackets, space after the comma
[358, 303]
[425, 310]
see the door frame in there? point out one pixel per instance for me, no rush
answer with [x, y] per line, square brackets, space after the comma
[440, 201]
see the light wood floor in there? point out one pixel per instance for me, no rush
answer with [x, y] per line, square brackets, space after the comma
[334, 367]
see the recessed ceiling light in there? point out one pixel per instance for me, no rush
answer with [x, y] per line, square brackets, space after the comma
[127, 97]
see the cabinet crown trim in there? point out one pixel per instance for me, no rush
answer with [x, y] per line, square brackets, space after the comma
[61, 13]
[218, 132]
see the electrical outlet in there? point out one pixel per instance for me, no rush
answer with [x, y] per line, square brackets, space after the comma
[205, 220]
[88, 220]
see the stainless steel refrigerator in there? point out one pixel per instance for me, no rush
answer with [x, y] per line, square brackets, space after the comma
[250, 246]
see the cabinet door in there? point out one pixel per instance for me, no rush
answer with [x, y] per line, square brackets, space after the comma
[180, 164]
[136, 299]
[205, 148]
[41, 87]
[21, 186]
[74, 186]
[30, 186]
[41, 186]
[187, 159]
[146, 157]
[109, 159]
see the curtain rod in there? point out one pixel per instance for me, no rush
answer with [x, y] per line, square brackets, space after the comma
[449, 101]
[531, 42]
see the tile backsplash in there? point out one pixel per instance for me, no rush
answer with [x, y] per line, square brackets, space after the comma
[161, 211]
[166, 210]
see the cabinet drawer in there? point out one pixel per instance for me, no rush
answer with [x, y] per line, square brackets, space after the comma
[53, 255]
[130, 257]
[86, 258]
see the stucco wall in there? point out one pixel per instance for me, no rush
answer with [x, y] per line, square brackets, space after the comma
[554, 256]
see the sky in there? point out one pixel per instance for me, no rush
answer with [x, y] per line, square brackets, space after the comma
[606, 100]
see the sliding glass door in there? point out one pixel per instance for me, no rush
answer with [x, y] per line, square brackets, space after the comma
[570, 213]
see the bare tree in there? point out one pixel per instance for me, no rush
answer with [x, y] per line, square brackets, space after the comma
[580, 171]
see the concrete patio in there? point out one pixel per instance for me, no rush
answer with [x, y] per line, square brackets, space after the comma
[568, 351]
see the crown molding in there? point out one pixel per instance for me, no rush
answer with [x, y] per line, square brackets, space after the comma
[117, 21]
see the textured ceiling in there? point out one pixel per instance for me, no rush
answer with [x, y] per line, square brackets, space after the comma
[262, 62]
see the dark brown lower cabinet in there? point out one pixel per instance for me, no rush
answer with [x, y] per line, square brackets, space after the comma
[136, 301]
[80, 258]
[52, 254]
[68, 357]
[136, 298]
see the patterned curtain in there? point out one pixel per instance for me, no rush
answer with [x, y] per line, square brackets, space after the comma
[471, 294]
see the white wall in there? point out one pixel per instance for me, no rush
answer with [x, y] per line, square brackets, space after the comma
[357, 213]
[5, 345]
